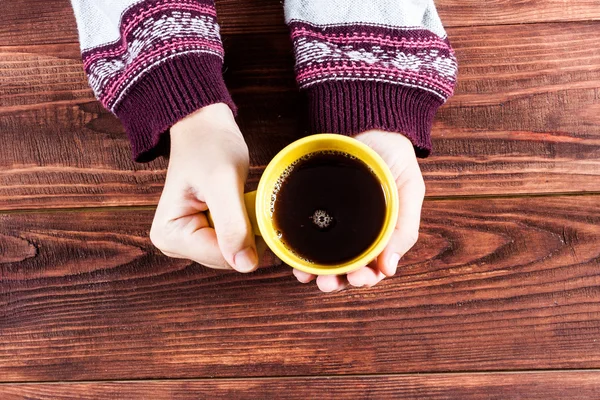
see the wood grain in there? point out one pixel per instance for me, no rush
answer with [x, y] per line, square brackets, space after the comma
[494, 284]
[503, 284]
[574, 385]
[24, 22]
[526, 114]
[502, 12]
[525, 119]
[27, 22]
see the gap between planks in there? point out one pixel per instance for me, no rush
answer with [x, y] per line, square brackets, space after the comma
[333, 377]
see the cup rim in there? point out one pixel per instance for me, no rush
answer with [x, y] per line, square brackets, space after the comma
[264, 214]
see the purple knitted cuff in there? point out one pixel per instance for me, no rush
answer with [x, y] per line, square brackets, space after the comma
[351, 107]
[166, 94]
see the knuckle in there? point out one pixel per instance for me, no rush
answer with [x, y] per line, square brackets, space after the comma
[232, 237]
[412, 238]
[157, 238]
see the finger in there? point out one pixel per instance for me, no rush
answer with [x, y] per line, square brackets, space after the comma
[225, 200]
[331, 283]
[303, 277]
[365, 276]
[411, 193]
[189, 237]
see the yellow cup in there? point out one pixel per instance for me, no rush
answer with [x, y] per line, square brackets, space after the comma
[260, 200]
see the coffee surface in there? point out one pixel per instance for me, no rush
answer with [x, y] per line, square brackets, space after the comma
[330, 208]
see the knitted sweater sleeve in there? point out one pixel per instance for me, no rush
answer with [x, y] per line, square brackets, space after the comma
[151, 63]
[372, 64]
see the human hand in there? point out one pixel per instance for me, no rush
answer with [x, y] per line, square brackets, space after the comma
[398, 153]
[208, 166]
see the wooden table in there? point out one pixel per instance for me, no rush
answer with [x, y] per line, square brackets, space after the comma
[499, 299]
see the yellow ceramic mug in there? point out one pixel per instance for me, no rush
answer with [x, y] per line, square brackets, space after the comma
[260, 200]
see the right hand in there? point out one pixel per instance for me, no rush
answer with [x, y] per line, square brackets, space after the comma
[207, 169]
[399, 154]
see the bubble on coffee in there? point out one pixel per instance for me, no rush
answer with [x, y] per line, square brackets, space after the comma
[277, 186]
[321, 219]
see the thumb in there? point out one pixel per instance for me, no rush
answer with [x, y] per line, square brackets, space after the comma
[406, 232]
[235, 237]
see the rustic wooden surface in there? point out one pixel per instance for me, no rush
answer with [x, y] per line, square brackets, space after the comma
[493, 284]
[575, 385]
[504, 278]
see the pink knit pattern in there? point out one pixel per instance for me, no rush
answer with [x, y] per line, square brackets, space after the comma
[364, 37]
[373, 73]
[409, 57]
[129, 25]
[151, 33]
[158, 53]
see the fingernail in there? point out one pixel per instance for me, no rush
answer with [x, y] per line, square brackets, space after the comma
[246, 260]
[394, 259]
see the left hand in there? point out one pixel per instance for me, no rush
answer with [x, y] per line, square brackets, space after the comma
[398, 153]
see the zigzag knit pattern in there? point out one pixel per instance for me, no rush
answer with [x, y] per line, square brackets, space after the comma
[409, 57]
[151, 33]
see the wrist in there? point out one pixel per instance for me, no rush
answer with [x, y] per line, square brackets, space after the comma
[210, 134]
[389, 145]
[377, 134]
[214, 117]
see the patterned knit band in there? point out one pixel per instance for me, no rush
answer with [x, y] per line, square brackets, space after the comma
[151, 33]
[408, 57]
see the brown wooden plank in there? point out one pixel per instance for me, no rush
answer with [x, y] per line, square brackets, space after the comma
[493, 285]
[526, 114]
[526, 118]
[496, 12]
[573, 385]
[52, 130]
[26, 22]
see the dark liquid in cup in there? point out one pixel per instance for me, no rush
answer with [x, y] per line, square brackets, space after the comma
[330, 208]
